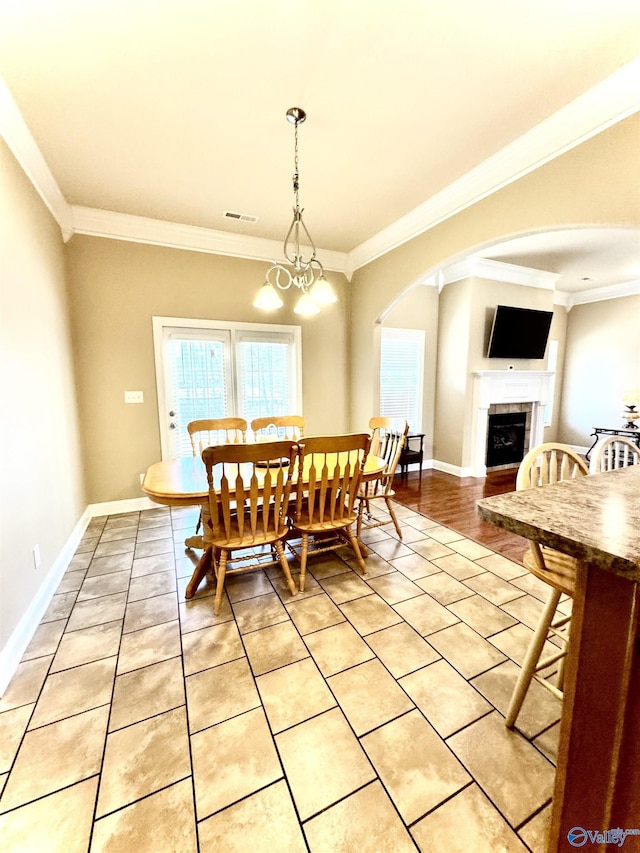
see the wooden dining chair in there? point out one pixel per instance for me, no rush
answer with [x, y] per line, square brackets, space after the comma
[614, 451]
[543, 465]
[281, 426]
[207, 432]
[325, 509]
[378, 488]
[249, 490]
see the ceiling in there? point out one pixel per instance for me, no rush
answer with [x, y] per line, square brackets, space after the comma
[174, 110]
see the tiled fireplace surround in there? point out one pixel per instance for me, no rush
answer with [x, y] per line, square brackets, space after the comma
[502, 391]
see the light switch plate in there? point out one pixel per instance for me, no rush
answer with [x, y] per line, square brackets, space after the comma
[133, 397]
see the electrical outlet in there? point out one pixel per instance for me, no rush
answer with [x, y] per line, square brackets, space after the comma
[133, 397]
[36, 557]
[141, 478]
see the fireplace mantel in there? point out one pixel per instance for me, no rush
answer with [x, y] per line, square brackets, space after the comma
[496, 387]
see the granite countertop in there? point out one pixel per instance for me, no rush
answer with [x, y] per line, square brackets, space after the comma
[595, 518]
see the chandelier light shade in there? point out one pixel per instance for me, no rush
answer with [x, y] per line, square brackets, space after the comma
[306, 274]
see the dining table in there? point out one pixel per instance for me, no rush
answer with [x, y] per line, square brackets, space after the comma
[183, 482]
[596, 519]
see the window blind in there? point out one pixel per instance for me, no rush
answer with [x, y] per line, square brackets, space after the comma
[401, 375]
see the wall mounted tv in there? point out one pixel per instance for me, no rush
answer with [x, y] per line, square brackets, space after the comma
[519, 333]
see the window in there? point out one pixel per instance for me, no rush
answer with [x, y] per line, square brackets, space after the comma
[208, 369]
[401, 375]
[552, 365]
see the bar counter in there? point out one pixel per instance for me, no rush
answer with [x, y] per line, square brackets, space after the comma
[596, 519]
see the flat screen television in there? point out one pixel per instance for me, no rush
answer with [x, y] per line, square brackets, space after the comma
[519, 332]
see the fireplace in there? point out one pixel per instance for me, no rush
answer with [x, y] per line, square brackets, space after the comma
[505, 438]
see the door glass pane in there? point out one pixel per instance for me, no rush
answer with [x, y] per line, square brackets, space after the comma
[264, 378]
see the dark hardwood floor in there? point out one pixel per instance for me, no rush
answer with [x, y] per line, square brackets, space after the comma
[451, 501]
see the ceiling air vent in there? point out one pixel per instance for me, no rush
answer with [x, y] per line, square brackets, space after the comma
[242, 217]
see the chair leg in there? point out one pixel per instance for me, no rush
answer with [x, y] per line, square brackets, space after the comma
[221, 572]
[531, 658]
[304, 551]
[360, 514]
[202, 568]
[285, 567]
[356, 550]
[393, 516]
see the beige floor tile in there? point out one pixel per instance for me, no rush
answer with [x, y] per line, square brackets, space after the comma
[479, 827]
[415, 566]
[198, 611]
[294, 693]
[150, 549]
[150, 534]
[118, 546]
[265, 821]
[469, 548]
[60, 607]
[149, 645]
[346, 587]
[59, 823]
[369, 696]
[97, 611]
[273, 647]
[233, 687]
[314, 614]
[425, 614]
[142, 759]
[259, 612]
[409, 533]
[206, 587]
[444, 534]
[431, 550]
[156, 563]
[444, 697]
[157, 583]
[162, 822]
[79, 561]
[73, 691]
[99, 585]
[46, 639]
[337, 648]
[401, 649]
[111, 534]
[150, 611]
[323, 761]
[325, 566]
[107, 565]
[279, 583]
[510, 771]
[444, 588]
[366, 821]
[71, 581]
[394, 587]
[147, 692]
[465, 650]
[245, 761]
[458, 566]
[526, 609]
[376, 566]
[26, 684]
[87, 645]
[249, 585]
[211, 646]
[548, 742]
[415, 765]
[540, 708]
[481, 615]
[390, 549]
[536, 831]
[531, 584]
[13, 725]
[370, 613]
[55, 756]
[515, 641]
[422, 522]
[494, 589]
[501, 566]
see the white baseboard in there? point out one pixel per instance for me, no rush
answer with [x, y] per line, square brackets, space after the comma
[456, 470]
[22, 635]
[119, 507]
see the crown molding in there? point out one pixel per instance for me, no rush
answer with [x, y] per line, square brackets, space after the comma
[611, 101]
[18, 137]
[599, 294]
[475, 267]
[139, 229]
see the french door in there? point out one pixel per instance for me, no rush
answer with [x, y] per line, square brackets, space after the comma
[209, 369]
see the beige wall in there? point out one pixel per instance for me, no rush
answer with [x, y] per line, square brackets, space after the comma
[42, 496]
[602, 362]
[586, 186]
[116, 288]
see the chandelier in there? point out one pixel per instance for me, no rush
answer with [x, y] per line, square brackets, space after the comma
[307, 274]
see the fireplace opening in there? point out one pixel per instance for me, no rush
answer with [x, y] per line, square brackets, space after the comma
[505, 439]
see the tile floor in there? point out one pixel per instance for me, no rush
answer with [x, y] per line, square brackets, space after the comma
[365, 714]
